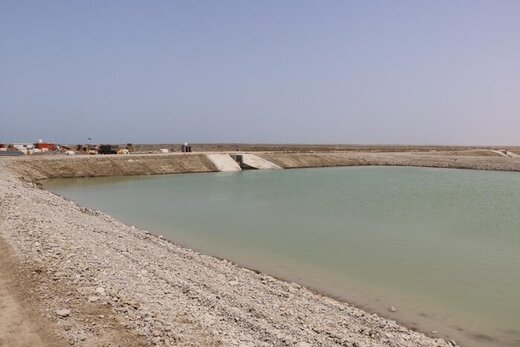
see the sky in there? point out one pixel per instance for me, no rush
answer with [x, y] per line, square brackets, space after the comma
[269, 71]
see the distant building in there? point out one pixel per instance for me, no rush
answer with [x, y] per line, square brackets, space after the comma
[23, 145]
[44, 147]
[25, 148]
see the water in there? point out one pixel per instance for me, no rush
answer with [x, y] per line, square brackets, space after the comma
[442, 246]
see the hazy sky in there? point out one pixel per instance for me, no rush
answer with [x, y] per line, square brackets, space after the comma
[415, 72]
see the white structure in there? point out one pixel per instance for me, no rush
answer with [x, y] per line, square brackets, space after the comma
[25, 148]
[224, 162]
[255, 162]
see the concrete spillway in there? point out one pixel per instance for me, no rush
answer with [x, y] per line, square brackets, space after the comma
[224, 162]
[251, 161]
[505, 153]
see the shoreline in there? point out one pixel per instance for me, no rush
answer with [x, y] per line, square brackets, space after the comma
[167, 294]
[421, 319]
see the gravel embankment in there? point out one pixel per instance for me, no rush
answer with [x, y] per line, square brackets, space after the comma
[39, 167]
[96, 277]
[490, 161]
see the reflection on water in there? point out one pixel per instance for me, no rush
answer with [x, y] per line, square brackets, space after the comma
[442, 246]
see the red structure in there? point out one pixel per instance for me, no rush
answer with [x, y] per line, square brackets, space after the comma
[46, 146]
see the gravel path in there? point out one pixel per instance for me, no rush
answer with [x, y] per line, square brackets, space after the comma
[100, 282]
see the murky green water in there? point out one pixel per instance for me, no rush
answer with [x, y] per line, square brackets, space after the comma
[442, 246]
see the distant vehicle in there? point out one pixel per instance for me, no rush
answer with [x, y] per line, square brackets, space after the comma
[106, 149]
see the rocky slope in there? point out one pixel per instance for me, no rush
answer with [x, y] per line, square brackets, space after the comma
[60, 166]
[419, 159]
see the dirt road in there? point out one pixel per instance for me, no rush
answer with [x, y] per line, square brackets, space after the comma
[20, 325]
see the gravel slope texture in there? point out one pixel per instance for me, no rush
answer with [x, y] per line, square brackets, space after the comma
[99, 280]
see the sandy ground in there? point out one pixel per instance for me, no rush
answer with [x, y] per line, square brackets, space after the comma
[20, 324]
[248, 147]
[98, 282]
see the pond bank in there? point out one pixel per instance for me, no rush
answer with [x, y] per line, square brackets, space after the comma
[97, 277]
[34, 168]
